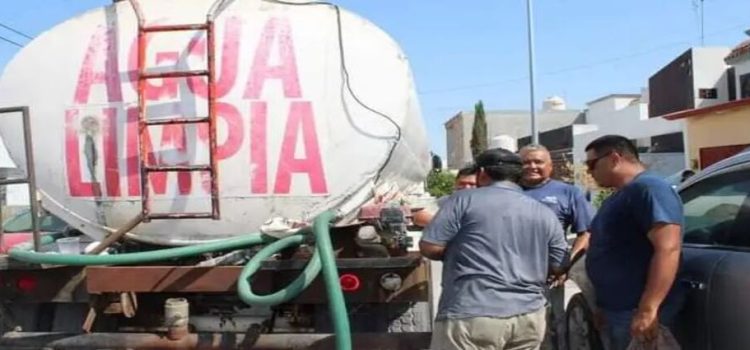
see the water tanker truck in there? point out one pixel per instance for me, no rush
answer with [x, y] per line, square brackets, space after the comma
[231, 174]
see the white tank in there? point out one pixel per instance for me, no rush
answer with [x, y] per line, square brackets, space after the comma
[292, 140]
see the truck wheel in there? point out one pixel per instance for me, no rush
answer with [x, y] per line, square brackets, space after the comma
[579, 320]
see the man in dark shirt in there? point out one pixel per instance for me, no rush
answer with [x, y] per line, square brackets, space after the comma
[497, 246]
[575, 214]
[635, 245]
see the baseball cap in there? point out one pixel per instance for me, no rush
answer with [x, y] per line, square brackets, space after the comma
[496, 157]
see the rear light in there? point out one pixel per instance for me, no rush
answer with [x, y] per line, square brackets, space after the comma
[349, 282]
[27, 284]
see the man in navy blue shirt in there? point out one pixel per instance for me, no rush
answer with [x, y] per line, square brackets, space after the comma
[634, 250]
[574, 212]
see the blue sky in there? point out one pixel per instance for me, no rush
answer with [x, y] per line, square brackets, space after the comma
[461, 53]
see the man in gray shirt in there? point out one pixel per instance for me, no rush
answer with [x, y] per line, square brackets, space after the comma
[498, 247]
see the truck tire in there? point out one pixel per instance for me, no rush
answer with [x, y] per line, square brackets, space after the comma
[579, 322]
[21, 317]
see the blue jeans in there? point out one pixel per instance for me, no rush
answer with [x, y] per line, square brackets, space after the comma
[617, 324]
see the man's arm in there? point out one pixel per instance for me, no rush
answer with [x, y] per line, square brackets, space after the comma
[659, 210]
[580, 244]
[558, 247]
[667, 241]
[423, 217]
[583, 213]
[431, 251]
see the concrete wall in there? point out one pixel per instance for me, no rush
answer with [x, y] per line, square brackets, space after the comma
[717, 129]
[454, 133]
[515, 124]
[741, 68]
[631, 121]
[710, 71]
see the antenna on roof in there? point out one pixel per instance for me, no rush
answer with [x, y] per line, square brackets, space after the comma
[698, 4]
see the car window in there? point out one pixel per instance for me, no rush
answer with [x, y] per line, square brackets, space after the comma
[716, 209]
[21, 222]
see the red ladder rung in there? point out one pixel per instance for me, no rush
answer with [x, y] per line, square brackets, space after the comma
[164, 216]
[169, 121]
[175, 74]
[166, 168]
[175, 27]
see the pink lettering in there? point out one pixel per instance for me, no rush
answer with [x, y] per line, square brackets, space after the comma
[168, 87]
[101, 49]
[300, 116]
[258, 155]
[228, 74]
[276, 30]
[235, 131]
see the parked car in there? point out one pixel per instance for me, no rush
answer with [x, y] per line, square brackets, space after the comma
[715, 268]
[679, 177]
[17, 229]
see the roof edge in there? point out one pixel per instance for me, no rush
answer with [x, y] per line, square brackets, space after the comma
[613, 96]
[687, 113]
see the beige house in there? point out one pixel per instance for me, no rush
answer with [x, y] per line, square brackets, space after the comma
[715, 132]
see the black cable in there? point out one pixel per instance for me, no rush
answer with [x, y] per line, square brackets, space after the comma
[10, 41]
[345, 74]
[17, 31]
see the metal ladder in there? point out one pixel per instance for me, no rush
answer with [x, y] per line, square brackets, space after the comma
[14, 176]
[144, 123]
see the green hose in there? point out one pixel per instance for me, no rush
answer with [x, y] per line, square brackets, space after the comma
[336, 304]
[23, 253]
[244, 290]
[323, 258]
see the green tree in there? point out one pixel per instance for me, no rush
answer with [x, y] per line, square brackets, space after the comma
[440, 183]
[601, 196]
[479, 130]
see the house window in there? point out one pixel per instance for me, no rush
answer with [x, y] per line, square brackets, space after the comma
[745, 85]
[708, 94]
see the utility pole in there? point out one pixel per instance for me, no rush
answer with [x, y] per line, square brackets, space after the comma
[530, 25]
[703, 31]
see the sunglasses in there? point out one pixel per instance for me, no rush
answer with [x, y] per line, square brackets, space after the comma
[591, 163]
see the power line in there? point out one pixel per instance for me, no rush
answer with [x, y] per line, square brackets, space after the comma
[576, 68]
[10, 41]
[16, 31]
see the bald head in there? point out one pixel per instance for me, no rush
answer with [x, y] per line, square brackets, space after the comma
[537, 165]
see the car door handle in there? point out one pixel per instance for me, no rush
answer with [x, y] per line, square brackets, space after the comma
[693, 284]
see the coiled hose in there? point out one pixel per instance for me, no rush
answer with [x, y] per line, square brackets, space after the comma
[322, 259]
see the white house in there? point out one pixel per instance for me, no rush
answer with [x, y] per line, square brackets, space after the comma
[627, 115]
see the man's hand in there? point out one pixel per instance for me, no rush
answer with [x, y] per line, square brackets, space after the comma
[555, 281]
[645, 325]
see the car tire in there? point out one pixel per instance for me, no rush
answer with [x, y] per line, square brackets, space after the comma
[579, 322]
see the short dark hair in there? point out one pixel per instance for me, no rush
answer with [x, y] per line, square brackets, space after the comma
[500, 164]
[614, 143]
[467, 170]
